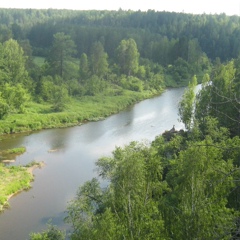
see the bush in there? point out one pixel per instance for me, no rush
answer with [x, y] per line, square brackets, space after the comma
[131, 83]
[52, 233]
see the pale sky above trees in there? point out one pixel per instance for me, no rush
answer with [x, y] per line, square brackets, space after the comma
[230, 7]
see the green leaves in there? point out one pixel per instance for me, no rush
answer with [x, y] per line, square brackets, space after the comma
[98, 60]
[52, 233]
[128, 57]
[201, 187]
[180, 189]
[12, 64]
[14, 80]
[84, 67]
[186, 105]
[219, 98]
[61, 54]
[12, 99]
[54, 91]
[126, 208]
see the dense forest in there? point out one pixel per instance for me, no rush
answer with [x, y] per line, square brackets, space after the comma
[185, 184]
[179, 34]
[51, 55]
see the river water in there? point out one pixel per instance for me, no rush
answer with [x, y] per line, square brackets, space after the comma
[70, 154]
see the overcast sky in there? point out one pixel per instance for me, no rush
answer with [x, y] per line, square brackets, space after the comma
[230, 7]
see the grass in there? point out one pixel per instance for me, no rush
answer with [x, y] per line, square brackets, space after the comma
[11, 153]
[12, 180]
[77, 111]
[16, 151]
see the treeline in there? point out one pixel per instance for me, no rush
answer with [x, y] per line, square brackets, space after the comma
[216, 35]
[63, 75]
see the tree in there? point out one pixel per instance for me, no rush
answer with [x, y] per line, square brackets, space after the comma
[128, 57]
[219, 98]
[27, 49]
[4, 108]
[12, 99]
[84, 67]
[128, 208]
[186, 105]
[5, 33]
[99, 62]
[54, 91]
[17, 31]
[60, 98]
[202, 99]
[201, 181]
[13, 64]
[60, 55]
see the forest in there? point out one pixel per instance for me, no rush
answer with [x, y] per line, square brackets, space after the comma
[55, 65]
[53, 59]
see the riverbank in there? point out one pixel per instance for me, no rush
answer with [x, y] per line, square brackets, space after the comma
[71, 166]
[15, 179]
[77, 111]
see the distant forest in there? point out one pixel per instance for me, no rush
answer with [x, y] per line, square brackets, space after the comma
[162, 37]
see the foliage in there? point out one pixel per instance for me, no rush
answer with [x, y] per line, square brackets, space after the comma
[219, 97]
[54, 91]
[95, 85]
[77, 110]
[12, 99]
[19, 150]
[98, 60]
[182, 187]
[109, 57]
[200, 183]
[177, 189]
[13, 64]
[52, 233]
[131, 83]
[84, 67]
[59, 98]
[180, 70]
[4, 108]
[128, 57]
[186, 105]
[61, 53]
[126, 209]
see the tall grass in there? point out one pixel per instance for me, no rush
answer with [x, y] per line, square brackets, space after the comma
[77, 111]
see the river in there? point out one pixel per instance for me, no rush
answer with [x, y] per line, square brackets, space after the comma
[72, 162]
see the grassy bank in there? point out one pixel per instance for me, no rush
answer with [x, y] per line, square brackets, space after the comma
[12, 180]
[87, 108]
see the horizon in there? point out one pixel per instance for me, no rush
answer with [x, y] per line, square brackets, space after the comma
[230, 8]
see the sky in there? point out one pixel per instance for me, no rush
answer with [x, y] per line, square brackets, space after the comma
[230, 7]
